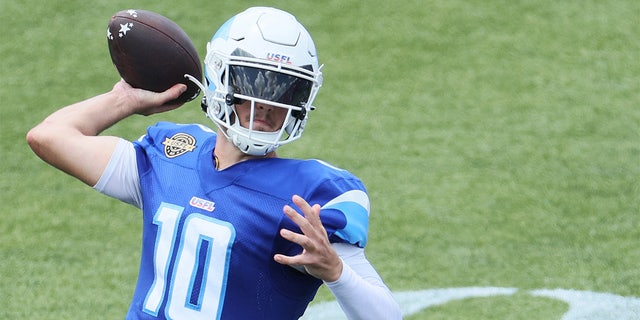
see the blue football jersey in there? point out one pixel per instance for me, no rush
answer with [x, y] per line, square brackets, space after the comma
[209, 236]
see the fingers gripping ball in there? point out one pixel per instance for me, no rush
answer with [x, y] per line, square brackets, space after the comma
[152, 52]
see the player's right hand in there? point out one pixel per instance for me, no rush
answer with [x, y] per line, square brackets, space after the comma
[145, 102]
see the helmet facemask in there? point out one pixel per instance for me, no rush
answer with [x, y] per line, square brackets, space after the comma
[259, 82]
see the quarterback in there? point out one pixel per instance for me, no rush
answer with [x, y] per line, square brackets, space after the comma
[230, 230]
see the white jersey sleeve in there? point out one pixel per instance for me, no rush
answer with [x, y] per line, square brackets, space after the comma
[360, 290]
[120, 178]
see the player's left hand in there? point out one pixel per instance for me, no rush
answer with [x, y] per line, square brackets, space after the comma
[318, 256]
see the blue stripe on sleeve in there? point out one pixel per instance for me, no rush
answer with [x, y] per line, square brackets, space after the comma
[357, 216]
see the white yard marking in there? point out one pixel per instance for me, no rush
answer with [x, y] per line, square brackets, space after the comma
[583, 305]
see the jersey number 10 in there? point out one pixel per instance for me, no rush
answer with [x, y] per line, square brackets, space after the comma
[200, 265]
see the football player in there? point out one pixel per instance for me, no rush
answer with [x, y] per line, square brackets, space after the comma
[231, 231]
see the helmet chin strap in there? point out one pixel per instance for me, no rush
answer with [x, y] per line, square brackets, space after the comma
[238, 135]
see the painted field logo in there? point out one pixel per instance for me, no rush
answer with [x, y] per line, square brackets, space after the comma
[583, 305]
[178, 144]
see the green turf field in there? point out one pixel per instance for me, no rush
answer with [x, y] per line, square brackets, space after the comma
[499, 141]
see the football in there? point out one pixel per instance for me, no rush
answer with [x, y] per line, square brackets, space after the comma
[152, 52]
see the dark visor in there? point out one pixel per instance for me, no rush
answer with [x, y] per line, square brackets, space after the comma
[269, 85]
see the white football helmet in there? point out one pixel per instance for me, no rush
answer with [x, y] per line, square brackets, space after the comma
[262, 55]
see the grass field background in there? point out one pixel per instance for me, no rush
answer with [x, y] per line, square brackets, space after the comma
[499, 141]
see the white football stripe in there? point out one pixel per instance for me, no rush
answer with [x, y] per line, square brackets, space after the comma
[583, 305]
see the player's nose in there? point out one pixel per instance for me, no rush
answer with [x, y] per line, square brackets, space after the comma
[264, 106]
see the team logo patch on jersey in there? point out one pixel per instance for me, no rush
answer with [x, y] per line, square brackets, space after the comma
[178, 144]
